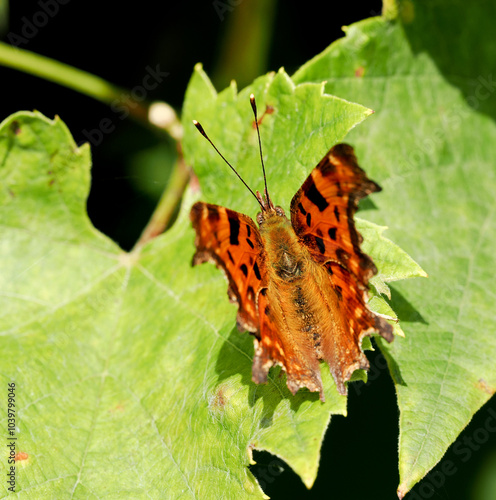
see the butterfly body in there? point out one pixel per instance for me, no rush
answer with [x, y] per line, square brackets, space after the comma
[300, 284]
[303, 308]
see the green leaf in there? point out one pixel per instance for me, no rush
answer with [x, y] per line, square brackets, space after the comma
[393, 264]
[431, 142]
[131, 379]
[127, 383]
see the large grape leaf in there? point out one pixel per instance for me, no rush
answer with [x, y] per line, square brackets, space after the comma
[429, 77]
[131, 379]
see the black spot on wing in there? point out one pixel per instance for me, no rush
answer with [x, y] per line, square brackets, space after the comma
[233, 227]
[332, 233]
[320, 244]
[336, 212]
[309, 219]
[250, 242]
[316, 197]
[213, 214]
[244, 269]
[257, 271]
[342, 255]
[248, 230]
[230, 256]
[302, 210]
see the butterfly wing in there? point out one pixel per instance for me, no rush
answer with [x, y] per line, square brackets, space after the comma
[322, 216]
[232, 242]
[323, 208]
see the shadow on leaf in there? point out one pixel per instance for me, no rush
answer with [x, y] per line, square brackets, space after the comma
[406, 314]
[235, 358]
[403, 309]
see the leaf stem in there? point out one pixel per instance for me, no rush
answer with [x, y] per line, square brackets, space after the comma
[167, 204]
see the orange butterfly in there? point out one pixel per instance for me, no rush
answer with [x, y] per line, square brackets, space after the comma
[300, 285]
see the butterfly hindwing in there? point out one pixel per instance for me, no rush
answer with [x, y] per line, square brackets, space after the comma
[275, 345]
[232, 241]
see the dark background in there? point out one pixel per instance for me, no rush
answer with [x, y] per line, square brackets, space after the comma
[131, 166]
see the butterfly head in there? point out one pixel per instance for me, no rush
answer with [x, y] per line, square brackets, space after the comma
[269, 211]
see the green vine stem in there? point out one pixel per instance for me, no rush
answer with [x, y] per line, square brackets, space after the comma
[63, 74]
[159, 115]
[167, 204]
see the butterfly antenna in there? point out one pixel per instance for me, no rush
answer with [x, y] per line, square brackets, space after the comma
[254, 107]
[202, 132]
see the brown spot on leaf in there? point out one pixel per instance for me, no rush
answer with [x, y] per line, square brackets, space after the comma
[117, 407]
[485, 387]
[218, 400]
[20, 456]
[15, 127]
[359, 72]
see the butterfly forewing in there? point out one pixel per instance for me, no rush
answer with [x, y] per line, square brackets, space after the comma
[231, 241]
[323, 208]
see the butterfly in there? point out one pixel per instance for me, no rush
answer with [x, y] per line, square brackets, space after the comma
[300, 283]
